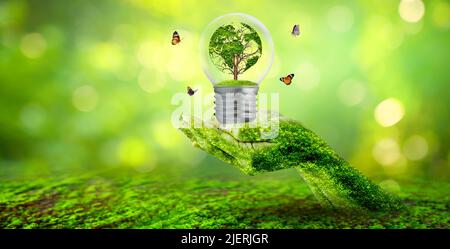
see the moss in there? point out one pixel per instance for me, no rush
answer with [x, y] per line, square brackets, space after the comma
[331, 178]
[123, 199]
[232, 83]
[333, 181]
[251, 134]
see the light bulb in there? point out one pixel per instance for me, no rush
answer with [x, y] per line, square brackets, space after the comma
[236, 55]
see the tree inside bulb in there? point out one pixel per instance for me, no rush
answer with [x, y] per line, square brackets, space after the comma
[237, 53]
[235, 48]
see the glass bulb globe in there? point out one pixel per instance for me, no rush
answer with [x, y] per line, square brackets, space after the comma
[236, 55]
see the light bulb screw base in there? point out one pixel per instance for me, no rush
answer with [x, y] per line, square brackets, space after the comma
[235, 104]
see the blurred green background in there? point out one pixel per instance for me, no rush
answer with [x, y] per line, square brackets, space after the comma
[87, 85]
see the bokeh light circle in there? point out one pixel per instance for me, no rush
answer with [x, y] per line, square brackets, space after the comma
[310, 76]
[411, 10]
[386, 152]
[415, 148]
[85, 98]
[340, 19]
[257, 72]
[351, 92]
[441, 14]
[33, 45]
[389, 112]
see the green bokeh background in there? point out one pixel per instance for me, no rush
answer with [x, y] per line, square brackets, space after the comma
[87, 85]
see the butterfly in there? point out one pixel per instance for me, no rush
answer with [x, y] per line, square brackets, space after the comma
[175, 38]
[296, 30]
[288, 79]
[190, 91]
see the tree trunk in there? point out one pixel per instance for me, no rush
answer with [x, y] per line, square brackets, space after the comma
[235, 67]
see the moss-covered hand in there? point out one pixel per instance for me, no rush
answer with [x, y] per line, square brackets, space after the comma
[333, 180]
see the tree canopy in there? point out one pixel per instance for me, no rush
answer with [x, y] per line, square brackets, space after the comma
[234, 48]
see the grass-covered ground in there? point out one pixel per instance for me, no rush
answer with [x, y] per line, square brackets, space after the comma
[233, 83]
[127, 199]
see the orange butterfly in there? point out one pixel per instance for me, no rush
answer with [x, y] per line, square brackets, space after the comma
[175, 38]
[288, 79]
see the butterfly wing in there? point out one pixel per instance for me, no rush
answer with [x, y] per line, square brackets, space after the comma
[175, 38]
[190, 91]
[296, 30]
[287, 80]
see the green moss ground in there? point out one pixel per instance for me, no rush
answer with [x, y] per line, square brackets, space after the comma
[231, 83]
[127, 199]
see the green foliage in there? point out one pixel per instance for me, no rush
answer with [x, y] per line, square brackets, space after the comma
[239, 40]
[225, 43]
[251, 61]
